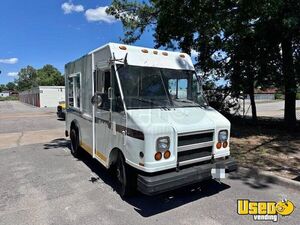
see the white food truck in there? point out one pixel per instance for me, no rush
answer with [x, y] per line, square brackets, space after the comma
[141, 112]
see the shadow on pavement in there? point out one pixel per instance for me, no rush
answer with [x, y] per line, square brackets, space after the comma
[147, 206]
[297, 178]
[253, 178]
[57, 143]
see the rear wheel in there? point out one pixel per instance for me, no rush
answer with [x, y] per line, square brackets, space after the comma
[75, 147]
[126, 177]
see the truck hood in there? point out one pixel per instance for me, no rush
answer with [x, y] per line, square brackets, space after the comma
[182, 120]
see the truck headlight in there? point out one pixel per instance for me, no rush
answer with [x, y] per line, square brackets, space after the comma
[163, 143]
[223, 135]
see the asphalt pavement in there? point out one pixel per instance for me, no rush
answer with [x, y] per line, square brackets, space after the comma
[41, 184]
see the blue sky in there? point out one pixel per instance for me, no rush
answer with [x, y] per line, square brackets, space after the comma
[39, 32]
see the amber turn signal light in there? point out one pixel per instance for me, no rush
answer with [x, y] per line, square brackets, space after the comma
[219, 145]
[158, 156]
[167, 154]
[225, 144]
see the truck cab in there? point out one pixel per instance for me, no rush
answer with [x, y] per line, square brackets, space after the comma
[142, 112]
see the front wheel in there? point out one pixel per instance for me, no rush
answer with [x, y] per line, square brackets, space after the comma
[126, 177]
[75, 147]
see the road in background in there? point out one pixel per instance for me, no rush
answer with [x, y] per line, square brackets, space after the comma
[268, 108]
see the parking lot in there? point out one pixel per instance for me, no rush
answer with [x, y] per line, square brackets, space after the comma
[41, 183]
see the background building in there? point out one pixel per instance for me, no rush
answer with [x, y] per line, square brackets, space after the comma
[4, 94]
[43, 96]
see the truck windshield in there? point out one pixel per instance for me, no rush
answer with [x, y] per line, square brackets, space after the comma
[148, 87]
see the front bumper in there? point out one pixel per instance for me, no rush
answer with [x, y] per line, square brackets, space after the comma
[155, 184]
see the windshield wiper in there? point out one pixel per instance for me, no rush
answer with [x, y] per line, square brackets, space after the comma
[184, 100]
[146, 101]
[189, 101]
[152, 103]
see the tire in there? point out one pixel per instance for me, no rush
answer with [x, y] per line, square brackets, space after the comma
[75, 147]
[126, 177]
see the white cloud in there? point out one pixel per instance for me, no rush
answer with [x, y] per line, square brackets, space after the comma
[9, 60]
[69, 7]
[99, 14]
[12, 74]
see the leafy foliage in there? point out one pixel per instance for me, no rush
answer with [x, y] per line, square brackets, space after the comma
[251, 43]
[30, 77]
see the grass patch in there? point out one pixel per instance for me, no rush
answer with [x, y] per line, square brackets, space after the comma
[9, 98]
[266, 145]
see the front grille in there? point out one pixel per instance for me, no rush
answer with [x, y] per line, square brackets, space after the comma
[195, 138]
[194, 147]
[194, 154]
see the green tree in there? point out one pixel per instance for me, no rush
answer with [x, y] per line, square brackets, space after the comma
[250, 42]
[49, 75]
[2, 87]
[30, 77]
[27, 78]
[11, 86]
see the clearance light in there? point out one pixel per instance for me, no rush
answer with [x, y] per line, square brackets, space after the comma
[225, 144]
[165, 53]
[144, 50]
[158, 156]
[122, 47]
[219, 145]
[155, 52]
[182, 55]
[167, 154]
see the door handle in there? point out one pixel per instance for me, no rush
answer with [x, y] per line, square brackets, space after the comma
[124, 137]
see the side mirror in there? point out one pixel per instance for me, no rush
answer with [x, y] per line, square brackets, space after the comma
[97, 100]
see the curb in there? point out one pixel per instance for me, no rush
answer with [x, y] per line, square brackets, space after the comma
[268, 177]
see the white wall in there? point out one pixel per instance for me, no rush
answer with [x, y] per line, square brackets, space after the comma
[4, 94]
[50, 96]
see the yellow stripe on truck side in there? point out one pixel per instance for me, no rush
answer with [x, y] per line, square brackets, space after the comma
[89, 149]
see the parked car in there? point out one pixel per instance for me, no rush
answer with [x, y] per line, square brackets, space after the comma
[61, 110]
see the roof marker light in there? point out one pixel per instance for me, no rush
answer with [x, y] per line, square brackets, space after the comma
[155, 52]
[165, 53]
[122, 47]
[144, 50]
[182, 55]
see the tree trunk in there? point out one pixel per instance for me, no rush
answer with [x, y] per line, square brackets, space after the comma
[289, 83]
[252, 100]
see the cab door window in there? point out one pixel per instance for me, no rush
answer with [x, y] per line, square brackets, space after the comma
[117, 104]
[102, 85]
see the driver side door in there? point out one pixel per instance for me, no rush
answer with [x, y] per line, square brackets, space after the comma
[102, 82]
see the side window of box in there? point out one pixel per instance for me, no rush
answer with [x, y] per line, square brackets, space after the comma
[70, 92]
[74, 90]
